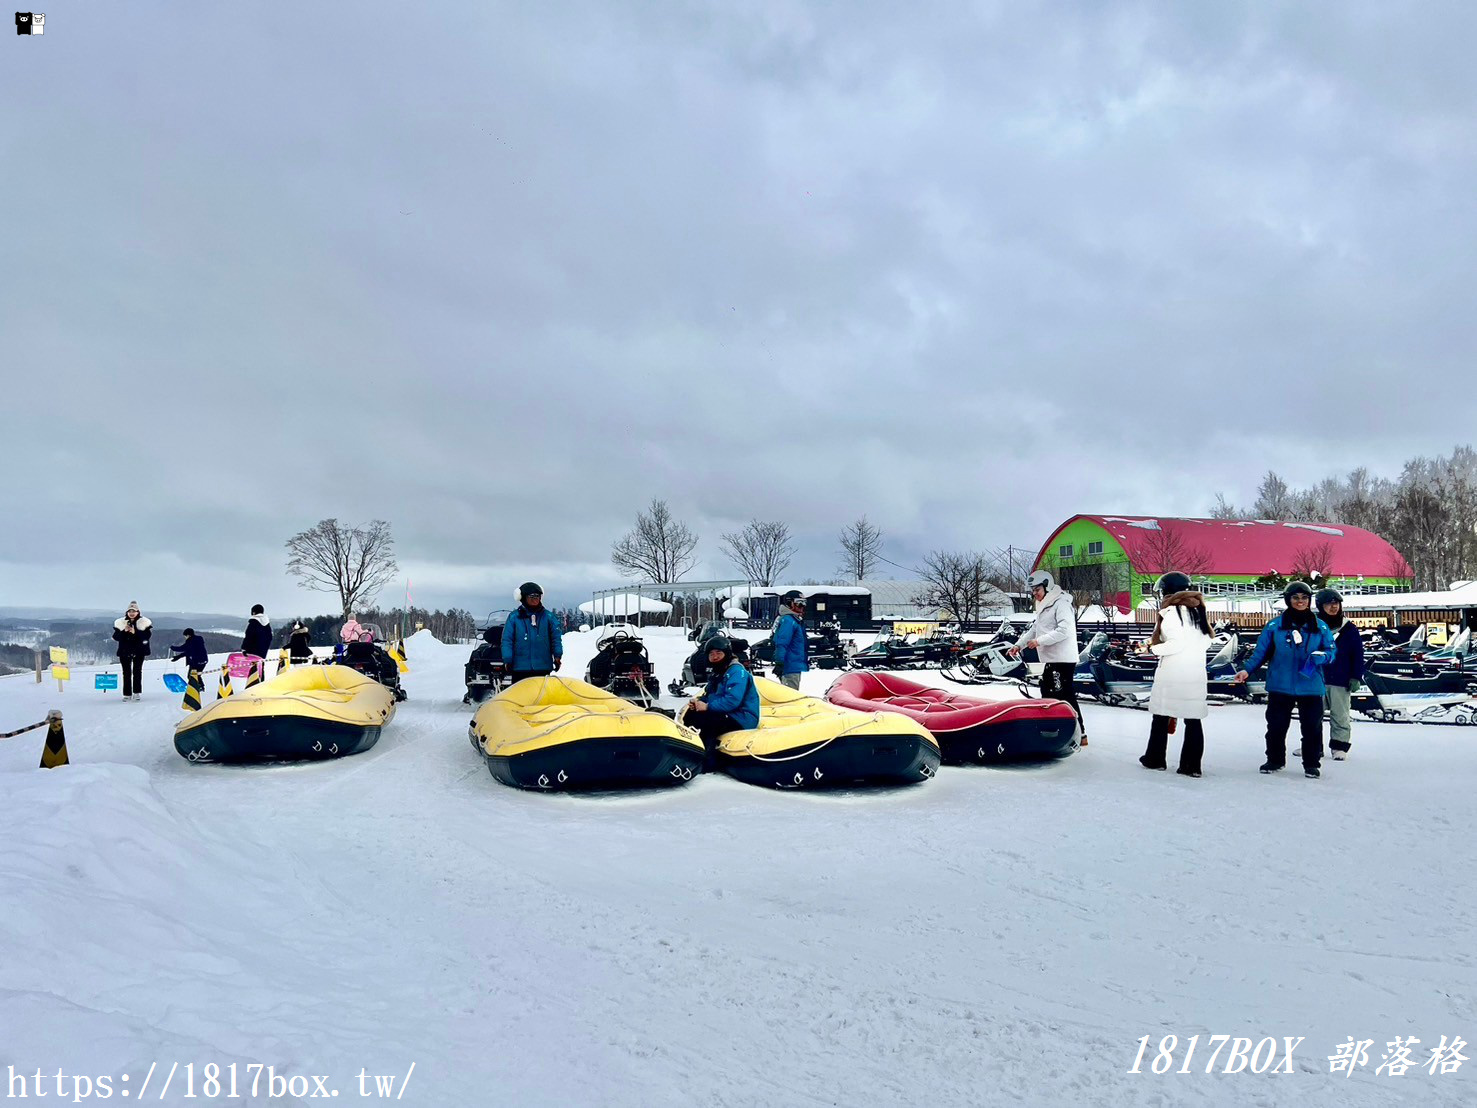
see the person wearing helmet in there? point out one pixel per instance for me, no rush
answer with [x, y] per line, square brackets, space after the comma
[1053, 635]
[791, 653]
[1296, 645]
[532, 643]
[730, 701]
[1181, 635]
[1344, 674]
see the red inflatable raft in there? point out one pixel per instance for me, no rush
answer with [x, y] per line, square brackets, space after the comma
[969, 730]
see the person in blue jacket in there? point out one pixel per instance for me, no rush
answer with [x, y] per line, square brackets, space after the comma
[532, 644]
[729, 703]
[1344, 674]
[1296, 645]
[791, 652]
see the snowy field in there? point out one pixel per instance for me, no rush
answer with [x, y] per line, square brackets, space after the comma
[989, 937]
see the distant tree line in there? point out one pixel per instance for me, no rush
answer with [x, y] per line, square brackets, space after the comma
[1428, 513]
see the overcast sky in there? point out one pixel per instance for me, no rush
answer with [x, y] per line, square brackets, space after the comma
[501, 273]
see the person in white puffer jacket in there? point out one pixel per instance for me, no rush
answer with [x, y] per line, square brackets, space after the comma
[1181, 637]
[1053, 635]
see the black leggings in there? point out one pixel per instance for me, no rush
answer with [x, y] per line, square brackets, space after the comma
[1192, 749]
[1056, 683]
[133, 673]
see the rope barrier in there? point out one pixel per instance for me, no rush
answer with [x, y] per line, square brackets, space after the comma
[23, 730]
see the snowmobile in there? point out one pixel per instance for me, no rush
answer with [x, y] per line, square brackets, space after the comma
[622, 666]
[824, 648]
[1418, 692]
[890, 651]
[368, 657]
[695, 668]
[486, 673]
[990, 660]
[1223, 662]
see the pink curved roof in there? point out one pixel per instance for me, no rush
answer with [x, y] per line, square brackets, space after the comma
[1247, 546]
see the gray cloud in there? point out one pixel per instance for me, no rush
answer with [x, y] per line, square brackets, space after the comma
[501, 274]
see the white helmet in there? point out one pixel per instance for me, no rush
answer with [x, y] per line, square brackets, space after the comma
[1039, 580]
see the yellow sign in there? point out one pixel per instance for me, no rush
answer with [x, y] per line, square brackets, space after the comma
[59, 655]
[1437, 634]
[61, 673]
[913, 627]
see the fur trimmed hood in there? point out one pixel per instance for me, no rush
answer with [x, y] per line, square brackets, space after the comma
[143, 624]
[1187, 599]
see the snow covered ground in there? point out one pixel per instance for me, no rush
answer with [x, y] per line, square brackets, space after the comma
[992, 936]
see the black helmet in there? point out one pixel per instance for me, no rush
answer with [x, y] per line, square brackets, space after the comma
[1326, 596]
[718, 642]
[794, 597]
[1295, 588]
[527, 589]
[1172, 582]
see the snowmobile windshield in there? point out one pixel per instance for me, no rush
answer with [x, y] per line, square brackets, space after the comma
[1095, 647]
[1226, 655]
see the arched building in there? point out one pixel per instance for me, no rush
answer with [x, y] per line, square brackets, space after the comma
[1118, 558]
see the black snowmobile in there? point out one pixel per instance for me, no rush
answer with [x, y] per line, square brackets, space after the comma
[487, 674]
[371, 659]
[622, 666]
[695, 670]
[824, 648]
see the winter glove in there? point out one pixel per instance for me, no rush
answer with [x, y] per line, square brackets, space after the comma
[1355, 685]
[557, 663]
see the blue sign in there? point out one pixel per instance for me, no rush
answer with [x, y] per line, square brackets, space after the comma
[105, 682]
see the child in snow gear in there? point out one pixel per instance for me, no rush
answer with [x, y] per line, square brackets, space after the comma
[532, 643]
[1344, 674]
[132, 633]
[1295, 645]
[729, 703]
[1181, 635]
[1053, 635]
[299, 643]
[791, 657]
[192, 650]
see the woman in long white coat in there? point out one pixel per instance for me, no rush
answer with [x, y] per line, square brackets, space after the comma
[1181, 636]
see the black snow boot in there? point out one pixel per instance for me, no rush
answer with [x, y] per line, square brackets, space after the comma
[1311, 771]
[1272, 767]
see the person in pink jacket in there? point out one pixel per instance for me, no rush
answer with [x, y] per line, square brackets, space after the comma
[351, 629]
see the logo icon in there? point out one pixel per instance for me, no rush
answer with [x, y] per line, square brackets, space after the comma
[27, 23]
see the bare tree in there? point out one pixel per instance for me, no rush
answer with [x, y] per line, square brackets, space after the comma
[762, 551]
[1273, 498]
[861, 547]
[659, 547]
[1164, 550]
[1312, 562]
[1224, 509]
[959, 583]
[355, 562]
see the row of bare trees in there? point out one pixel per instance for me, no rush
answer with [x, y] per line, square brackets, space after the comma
[662, 547]
[1428, 513]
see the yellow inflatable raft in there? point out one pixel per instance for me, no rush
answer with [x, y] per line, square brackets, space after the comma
[309, 712]
[559, 733]
[804, 742]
